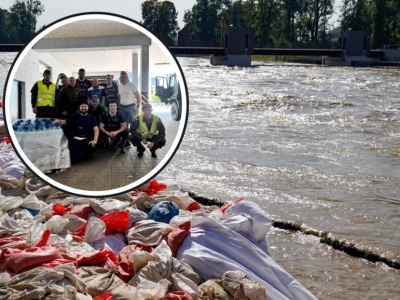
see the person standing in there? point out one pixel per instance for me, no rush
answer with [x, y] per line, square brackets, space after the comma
[95, 90]
[149, 130]
[85, 134]
[68, 99]
[64, 83]
[110, 92]
[113, 128]
[43, 95]
[82, 83]
[129, 99]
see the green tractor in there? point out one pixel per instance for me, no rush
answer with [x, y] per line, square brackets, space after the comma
[169, 92]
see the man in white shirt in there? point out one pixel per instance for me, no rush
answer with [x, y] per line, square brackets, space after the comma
[129, 100]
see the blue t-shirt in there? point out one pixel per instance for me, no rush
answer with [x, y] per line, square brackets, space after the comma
[95, 91]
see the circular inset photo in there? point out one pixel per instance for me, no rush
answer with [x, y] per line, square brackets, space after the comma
[95, 105]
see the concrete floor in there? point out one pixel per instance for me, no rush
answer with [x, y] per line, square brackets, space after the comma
[110, 169]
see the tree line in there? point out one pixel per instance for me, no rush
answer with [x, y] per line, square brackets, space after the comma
[295, 23]
[276, 23]
[18, 24]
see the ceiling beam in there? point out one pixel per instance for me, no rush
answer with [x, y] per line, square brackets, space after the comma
[91, 43]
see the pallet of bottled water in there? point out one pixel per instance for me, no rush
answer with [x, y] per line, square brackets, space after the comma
[44, 144]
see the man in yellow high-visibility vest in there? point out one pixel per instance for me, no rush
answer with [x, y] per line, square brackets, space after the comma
[43, 96]
[147, 129]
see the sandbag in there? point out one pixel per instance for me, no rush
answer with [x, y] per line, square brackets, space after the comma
[147, 233]
[158, 270]
[100, 280]
[212, 289]
[242, 287]
[164, 211]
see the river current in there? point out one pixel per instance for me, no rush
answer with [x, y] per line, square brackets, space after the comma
[314, 145]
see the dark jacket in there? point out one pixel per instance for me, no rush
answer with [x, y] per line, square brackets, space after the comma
[68, 99]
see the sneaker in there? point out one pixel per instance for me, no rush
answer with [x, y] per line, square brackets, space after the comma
[123, 150]
[140, 153]
[153, 153]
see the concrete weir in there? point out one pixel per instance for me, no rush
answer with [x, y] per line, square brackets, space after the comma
[240, 60]
[324, 237]
[239, 46]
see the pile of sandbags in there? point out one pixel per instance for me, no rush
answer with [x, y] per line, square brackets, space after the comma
[152, 243]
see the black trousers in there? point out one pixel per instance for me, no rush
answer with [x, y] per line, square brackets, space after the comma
[80, 150]
[138, 143]
[46, 112]
[120, 137]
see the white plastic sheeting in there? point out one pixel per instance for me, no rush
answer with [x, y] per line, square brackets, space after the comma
[213, 249]
[46, 149]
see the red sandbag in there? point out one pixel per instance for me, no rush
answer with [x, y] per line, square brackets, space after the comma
[125, 266]
[10, 240]
[175, 237]
[227, 205]
[154, 187]
[5, 254]
[106, 296]
[43, 240]
[58, 262]
[193, 206]
[97, 257]
[59, 209]
[116, 220]
[28, 258]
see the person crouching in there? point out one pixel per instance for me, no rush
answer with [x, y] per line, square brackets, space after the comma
[113, 128]
[147, 129]
[85, 133]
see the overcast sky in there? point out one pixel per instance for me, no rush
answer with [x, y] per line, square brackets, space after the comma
[55, 9]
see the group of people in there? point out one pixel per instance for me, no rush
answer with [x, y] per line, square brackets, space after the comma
[96, 116]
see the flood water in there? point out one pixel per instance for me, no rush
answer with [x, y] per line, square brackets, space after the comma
[314, 145]
[310, 144]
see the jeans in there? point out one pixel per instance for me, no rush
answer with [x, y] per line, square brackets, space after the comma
[128, 113]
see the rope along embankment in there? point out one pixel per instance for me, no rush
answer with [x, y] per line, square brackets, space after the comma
[324, 237]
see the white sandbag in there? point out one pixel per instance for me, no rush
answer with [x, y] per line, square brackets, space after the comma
[241, 287]
[140, 259]
[21, 214]
[147, 233]
[9, 203]
[14, 168]
[32, 202]
[151, 290]
[80, 248]
[213, 290]
[95, 230]
[59, 242]
[74, 222]
[260, 222]
[114, 242]
[182, 283]
[173, 184]
[135, 215]
[36, 231]
[164, 268]
[104, 206]
[56, 224]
